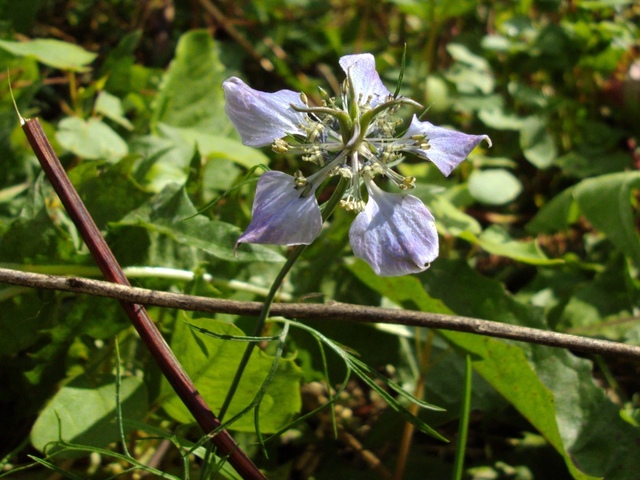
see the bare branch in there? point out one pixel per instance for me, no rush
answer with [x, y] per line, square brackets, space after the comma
[330, 311]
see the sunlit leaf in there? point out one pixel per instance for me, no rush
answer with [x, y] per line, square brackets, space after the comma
[172, 214]
[212, 363]
[494, 187]
[51, 52]
[191, 94]
[606, 202]
[497, 241]
[111, 107]
[92, 139]
[537, 142]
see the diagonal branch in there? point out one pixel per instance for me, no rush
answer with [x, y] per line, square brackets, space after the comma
[136, 312]
[332, 311]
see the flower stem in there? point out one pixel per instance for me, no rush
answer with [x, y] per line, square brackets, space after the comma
[328, 209]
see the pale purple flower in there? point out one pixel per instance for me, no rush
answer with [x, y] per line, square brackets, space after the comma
[352, 138]
[276, 203]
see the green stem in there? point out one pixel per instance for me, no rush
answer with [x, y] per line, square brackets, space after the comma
[463, 431]
[328, 209]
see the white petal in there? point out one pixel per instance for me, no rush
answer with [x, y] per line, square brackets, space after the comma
[261, 117]
[448, 148]
[395, 234]
[280, 215]
[361, 70]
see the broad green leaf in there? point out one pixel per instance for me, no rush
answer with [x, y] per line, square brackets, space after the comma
[171, 213]
[557, 215]
[87, 412]
[191, 93]
[496, 240]
[534, 379]
[212, 362]
[450, 220]
[609, 295]
[211, 145]
[590, 164]
[537, 142]
[54, 53]
[496, 118]
[111, 107]
[107, 190]
[91, 139]
[606, 203]
[494, 187]
[22, 323]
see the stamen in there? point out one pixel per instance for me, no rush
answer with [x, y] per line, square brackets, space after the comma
[280, 146]
[299, 180]
[314, 154]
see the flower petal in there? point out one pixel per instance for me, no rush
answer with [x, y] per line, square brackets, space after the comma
[361, 70]
[395, 234]
[261, 117]
[280, 215]
[447, 148]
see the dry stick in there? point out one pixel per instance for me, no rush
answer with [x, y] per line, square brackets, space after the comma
[147, 330]
[329, 311]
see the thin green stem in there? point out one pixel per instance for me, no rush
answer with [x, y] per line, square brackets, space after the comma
[328, 209]
[463, 432]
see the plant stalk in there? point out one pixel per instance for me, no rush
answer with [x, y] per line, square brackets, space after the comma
[150, 335]
[329, 207]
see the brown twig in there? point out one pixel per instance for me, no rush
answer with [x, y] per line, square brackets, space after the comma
[147, 330]
[329, 311]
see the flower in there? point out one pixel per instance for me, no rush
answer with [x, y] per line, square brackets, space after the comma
[353, 138]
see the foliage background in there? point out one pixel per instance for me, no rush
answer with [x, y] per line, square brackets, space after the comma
[541, 230]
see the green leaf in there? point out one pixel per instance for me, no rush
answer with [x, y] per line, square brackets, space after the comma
[92, 139]
[606, 203]
[111, 107]
[496, 240]
[54, 53]
[87, 412]
[107, 189]
[494, 187]
[537, 142]
[550, 387]
[215, 146]
[450, 220]
[557, 215]
[171, 213]
[191, 93]
[211, 363]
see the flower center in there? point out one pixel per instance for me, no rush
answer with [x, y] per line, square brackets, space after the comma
[354, 140]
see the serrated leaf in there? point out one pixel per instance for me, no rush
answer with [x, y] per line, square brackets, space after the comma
[55, 53]
[87, 412]
[212, 362]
